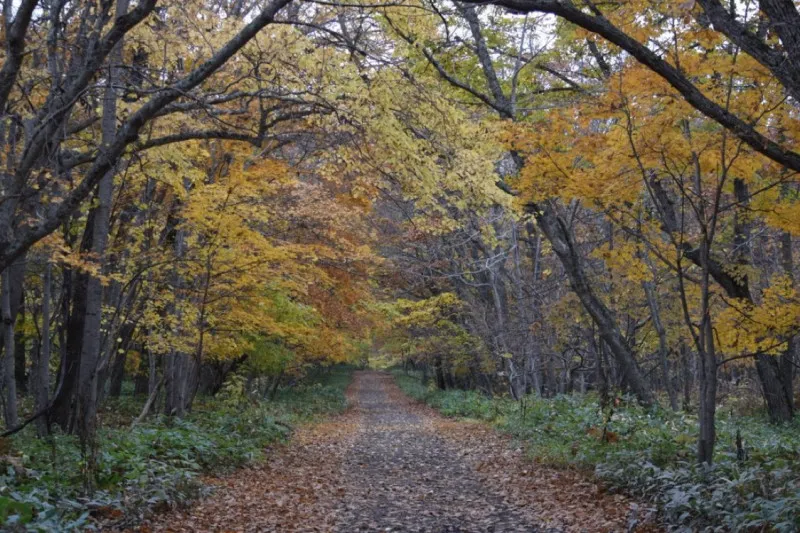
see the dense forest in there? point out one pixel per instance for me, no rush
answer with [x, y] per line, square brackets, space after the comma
[549, 206]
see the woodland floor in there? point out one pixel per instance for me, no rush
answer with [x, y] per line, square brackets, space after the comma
[390, 464]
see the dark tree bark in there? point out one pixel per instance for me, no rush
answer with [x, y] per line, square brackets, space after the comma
[688, 375]
[140, 381]
[40, 371]
[16, 275]
[708, 397]
[92, 335]
[9, 382]
[789, 356]
[778, 397]
[117, 374]
[213, 375]
[75, 303]
[663, 348]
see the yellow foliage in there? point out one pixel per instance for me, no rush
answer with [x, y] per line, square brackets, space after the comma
[744, 328]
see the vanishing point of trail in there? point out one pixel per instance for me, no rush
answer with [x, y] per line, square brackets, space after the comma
[390, 464]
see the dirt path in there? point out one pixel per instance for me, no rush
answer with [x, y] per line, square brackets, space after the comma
[401, 476]
[390, 464]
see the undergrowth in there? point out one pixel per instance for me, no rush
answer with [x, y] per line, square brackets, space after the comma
[154, 465]
[649, 454]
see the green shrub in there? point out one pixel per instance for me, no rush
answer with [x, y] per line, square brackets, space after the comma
[153, 465]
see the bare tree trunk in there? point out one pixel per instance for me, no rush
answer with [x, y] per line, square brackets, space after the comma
[194, 375]
[117, 374]
[663, 349]
[557, 232]
[92, 335]
[40, 375]
[141, 381]
[72, 330]
[706, 354]
[10, 384]
[152, 373]
[19, 317]
[151, 400]
[788, 357]
[274, 391]
[708, 397]
[776, 393]
[688, 374]
[535, 254]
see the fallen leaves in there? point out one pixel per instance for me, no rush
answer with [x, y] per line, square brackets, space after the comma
[297, 489]
[390, 464]
[557, 498]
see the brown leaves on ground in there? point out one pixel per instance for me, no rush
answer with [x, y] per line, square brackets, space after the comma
[391, 464]
[557, 498]
[564, 499]
[297, 489]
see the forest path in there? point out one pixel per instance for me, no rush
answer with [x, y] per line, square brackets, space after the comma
[391, 464]
[401, 475]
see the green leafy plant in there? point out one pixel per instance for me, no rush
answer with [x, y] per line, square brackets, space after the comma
[157, 464]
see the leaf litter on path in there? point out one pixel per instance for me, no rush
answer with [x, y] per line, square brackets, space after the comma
[391, 464]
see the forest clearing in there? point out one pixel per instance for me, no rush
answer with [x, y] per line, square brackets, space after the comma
[557, 238]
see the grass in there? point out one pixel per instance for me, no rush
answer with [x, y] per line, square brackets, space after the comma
[156, 464]
[651, 455]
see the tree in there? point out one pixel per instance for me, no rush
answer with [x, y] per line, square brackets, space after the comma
[747, 30]
[546, 212]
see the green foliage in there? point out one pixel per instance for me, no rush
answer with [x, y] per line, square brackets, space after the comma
[268, 357]
[650, 454]
[456, 403]
[156, 464]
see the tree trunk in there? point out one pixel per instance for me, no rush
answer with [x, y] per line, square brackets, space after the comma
[20, 375]
[708, 398]
[788, 357]
[688, 373]
[140, 381]
[117, 374]
[92, 336]
[152, 371]
[441, 384]
[10, 384]
[663, 349]
[12, 281]
[535, 255]
[777, 396]
[74, 285]
[40, 372]
[556, 231]
[275, 386]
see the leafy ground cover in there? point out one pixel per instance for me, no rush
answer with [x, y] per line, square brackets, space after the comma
[393, 464]
[649, 454]
[154, 465]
